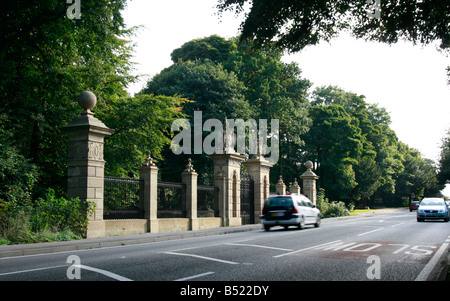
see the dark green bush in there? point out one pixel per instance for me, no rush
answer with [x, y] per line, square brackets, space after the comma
[330, 209]
[47, 219]
[59, 214]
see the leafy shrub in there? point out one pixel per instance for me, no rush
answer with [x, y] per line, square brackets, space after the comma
[60, 214]
[330, 209]
[17, 229]
[46, 219]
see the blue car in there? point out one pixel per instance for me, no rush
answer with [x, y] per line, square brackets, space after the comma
[433, 209]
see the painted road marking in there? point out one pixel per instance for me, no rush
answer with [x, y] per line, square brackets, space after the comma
[202, 257]
[432, 263]
[32, 270]
[305, 249]
[370, 231]
[258, 246]
[195, 276]
[103, 272]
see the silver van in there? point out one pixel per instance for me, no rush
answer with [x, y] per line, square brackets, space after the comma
[289, 210]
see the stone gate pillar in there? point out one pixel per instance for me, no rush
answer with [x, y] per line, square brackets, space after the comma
[189, 177]
[149, 173]
[309, 183]
[281, 187]
[259, 170]
[85, 161]
[227, 177]
[295, 188]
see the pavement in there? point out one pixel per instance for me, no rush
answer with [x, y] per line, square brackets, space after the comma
[113, 241]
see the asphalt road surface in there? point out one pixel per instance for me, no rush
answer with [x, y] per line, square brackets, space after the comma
[390, 246]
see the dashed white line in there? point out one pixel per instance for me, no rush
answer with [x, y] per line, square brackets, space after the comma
[202, 257]
[361, 234]
[258, 246]
[32, 270]
[195, 276]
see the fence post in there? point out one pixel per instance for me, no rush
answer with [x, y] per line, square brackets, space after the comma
[149, 173]
[295, 188]
[85, 175]
[281, 187]
[259, 170]
[189, 177]
[309, 182]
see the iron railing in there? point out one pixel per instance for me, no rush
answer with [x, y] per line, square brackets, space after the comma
[207, 201]
[171, 197]
[123, 198]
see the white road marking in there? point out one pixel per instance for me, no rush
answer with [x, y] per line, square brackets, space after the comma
[361, 234]
[432, 263]
[194, 276]
[103, 272]
[309, 248]
[397, 225]
[258, 246]
[32, 270]
[202, 257]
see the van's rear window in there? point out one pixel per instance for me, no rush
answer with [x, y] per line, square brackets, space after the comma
[279, 201]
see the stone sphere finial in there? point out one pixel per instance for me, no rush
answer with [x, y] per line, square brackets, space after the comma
[309, 164]
[87, 100]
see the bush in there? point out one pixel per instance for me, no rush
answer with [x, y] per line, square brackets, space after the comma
[17, 229]
[330, 209]
[60, 214]
[47, 219]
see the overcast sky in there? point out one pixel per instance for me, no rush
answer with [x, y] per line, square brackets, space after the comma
[409, 81]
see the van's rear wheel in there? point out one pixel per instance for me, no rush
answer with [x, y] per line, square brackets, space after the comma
[301, 225]
[266, 227]
[317, 224]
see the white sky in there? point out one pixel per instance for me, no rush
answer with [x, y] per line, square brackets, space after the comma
[409, 81]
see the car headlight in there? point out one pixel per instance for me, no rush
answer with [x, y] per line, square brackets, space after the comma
[420, 211]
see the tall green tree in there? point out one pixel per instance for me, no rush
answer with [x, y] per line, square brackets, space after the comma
[444, 160]
[141, 123]
[257, 85]
[46, 60]
[419, 177]
[334, 141]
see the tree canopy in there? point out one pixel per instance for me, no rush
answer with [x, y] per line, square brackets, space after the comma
[359, 157]
[292, 24]
[226, 81]
[46, 61]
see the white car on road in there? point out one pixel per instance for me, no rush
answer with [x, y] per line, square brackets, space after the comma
[289, 210]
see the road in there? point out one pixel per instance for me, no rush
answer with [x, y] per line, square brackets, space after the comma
[389, 246]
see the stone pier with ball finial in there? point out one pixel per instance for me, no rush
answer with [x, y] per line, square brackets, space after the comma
[309, 182]
[85, 161]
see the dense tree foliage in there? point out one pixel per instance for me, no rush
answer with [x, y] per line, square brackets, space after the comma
[46, 60]
[444, 160]
[226, 81]
[358, 154]
[292, 24]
